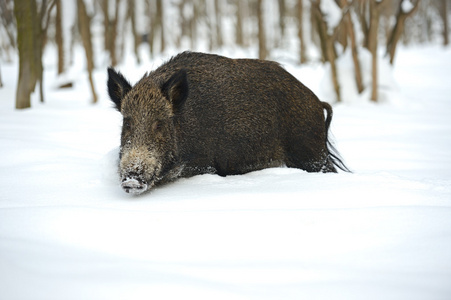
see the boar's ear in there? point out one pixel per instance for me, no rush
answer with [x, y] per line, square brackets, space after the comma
[118, 87]
[176, 89]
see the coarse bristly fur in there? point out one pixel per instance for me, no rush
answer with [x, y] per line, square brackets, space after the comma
[203, 113]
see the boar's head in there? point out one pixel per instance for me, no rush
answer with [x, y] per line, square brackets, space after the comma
[149, 152]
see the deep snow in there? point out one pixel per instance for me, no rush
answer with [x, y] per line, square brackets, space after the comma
[68, 231]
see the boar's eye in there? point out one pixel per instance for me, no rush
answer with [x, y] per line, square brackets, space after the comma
[127, 123]
[156, 126]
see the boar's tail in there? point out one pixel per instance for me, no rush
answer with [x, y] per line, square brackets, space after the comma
[334, 156]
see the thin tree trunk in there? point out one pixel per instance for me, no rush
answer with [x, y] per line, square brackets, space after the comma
[327, 45]
[40, 31]
[59, 37]
[444, 16]
[362, 10]
[193, 23]
[218, 17]
[152, 24]
[354, 49]
[302, 49]
[26, 17]
[210, 23]
[262, 49]
[282, 9]
[160, 18]
[110, 29]
[85, 32]
[333, 67]
[317, 20]
[395, 34]
[239, 23]
[114, 34]
[136, 38]
[355, 56]
[105, 6]
[40, 37]
[375, 7]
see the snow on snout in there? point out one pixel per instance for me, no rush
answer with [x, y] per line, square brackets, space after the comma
[137, 167]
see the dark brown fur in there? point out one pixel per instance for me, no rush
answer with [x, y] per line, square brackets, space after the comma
[201, 113]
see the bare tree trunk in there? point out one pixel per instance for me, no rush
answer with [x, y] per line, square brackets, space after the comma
[211, 24]
[197, 13]
[354, 49]
[24, 91]
[282, 9]
[239, 23]
[160, 18]
[105, 6]
[38, 52]
[218, 17]
[182, 20]
[85, 32]
[114, 34]
[262, 49]
[59, 37]
[189, 20]
[41, 35]
[316, 30]
[375, 8]
[355, 56]
[327, 46]
[362, 10]
[151, 8]
[302, 49]
[44, 16]
[155, 12]
[26, 18]
[444, 16]
[397, 30]
[110, 29]
[136, 38]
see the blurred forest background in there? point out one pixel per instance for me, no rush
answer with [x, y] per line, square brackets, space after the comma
[321, 30]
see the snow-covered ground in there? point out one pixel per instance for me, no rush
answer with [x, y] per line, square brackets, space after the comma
[68, 231]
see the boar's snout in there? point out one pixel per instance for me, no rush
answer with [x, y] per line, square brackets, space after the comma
[139, 168]
[134, 185]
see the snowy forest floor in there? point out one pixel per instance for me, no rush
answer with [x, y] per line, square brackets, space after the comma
[68, 231]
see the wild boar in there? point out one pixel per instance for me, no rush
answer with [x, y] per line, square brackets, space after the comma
[202, 113]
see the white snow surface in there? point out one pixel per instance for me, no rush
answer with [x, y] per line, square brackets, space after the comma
[68, 231]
